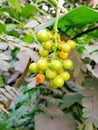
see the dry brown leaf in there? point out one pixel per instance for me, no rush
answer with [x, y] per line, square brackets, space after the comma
[31, 24]
[43, 122]
[79, 79]
[79, 67]
[54, 110]
[13, 78]
[93, 71]
[3, 46]
[24, 55]
[22, 62]
[32, 84]
[90, 100]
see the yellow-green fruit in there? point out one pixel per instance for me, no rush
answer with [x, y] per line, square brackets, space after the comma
[42, 64]
[72, 44]
[43, 52]
[58, 81]
[44, 35]
[65, 48]
[47, 45]
[50, 73]
[56, 65]
[52, 84]
[33, 67]
[67, 64]
[65, 75]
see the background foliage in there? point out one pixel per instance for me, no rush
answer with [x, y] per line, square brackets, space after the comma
[39, 107]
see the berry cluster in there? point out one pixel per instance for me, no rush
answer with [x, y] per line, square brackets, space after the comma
[53, 63]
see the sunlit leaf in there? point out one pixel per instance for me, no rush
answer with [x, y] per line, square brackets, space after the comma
[15, 4]
[27, 11]
[78, 17]
[1, 81]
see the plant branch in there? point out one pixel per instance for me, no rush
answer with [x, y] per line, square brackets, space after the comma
[56, 30]
[18, 83]
[85, 32]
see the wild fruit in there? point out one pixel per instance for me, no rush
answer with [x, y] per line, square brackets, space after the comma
[44, 35]
[42, 64]
[65, 75]
[40, 78]
[33, 67]
[58, 81]
[56, 65]
[67, 64]
[50, 73]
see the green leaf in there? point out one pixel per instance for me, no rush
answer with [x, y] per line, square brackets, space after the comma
[28, 38]
[78, 17]
[11, 12]
[1, 81]
[27, 11]
[15, 4]
[2, 27]
[70, 99]
[5, 126]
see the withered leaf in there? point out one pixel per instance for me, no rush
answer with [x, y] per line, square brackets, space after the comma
[43, 122]
[90, 100]
[79, 67]
[94, 70]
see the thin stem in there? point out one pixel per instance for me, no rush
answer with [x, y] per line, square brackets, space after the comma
[36, 6]
[56, 25]
[56, 32]
[35, 38]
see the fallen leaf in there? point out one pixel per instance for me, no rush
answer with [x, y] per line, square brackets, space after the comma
[43, 122]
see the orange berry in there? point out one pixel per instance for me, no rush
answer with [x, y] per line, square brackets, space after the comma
[62, 42]
[40, 78]
[63, 55]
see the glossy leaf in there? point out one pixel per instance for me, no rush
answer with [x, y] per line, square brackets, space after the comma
[78, 17]
[27, 11]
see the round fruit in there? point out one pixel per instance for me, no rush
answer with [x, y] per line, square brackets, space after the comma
[40, 78]
[47, 45]
[33, 67]
[44, 35]
[65, 75]
[52, 84]
[60, 71]
[63, 55]
[43, 52]
[42, 64]
[71, 43]
[62, 42]
[51, 73]
[65, 47]
[56, 65]
[67, 64]
[58, 81]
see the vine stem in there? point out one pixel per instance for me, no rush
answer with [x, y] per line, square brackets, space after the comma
[56, 25]
[36, 6]
[56, 31]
